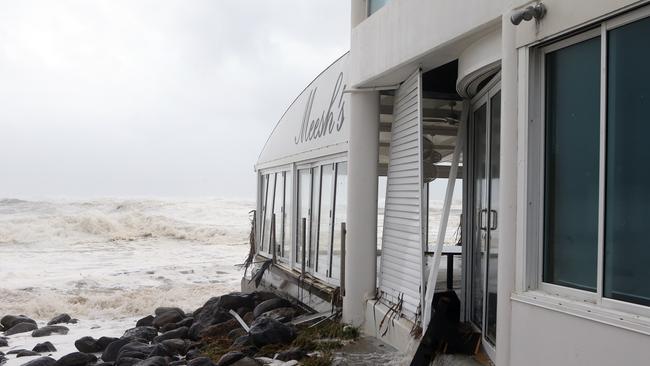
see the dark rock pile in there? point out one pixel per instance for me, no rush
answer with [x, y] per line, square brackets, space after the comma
[209, 336]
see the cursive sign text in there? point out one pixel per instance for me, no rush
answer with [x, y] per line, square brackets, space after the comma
[324, 124]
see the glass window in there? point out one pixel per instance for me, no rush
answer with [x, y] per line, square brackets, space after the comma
[268, 213]
[627, 249]
[340, 216]
[324, 223]
[436, 190]
[265, 183]
[571, 165]
[286, 222]
[277, 212]
[374, 5]
[304, 202]
[313, 224]
[480, 120]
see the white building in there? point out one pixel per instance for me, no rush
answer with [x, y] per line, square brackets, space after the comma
[542, 123]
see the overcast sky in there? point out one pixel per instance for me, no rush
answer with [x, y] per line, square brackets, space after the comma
[152, 98]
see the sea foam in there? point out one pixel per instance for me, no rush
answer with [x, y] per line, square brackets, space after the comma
[116, 258]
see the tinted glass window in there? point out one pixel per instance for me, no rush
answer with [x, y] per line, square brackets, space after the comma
[627, 248]
[571, 163]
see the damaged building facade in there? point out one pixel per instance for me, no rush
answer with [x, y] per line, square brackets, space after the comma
[519, 126]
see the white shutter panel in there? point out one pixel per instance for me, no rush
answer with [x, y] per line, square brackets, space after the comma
[401, 268]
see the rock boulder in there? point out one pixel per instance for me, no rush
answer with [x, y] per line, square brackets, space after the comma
[144, 332]
[266, 331]
[21, 328]
[88, 345]
[41, 361]
[48, 330]
[9, 321]
[76, 359]
[59, 319]
[269, 305]
[44, 347]
[181, 333]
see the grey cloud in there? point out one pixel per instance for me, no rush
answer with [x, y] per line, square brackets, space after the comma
[152, 97]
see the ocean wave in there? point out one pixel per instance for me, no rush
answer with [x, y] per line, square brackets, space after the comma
[123, 220]
[45, 303]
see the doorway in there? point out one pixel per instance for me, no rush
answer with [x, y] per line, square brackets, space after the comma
[484, 136]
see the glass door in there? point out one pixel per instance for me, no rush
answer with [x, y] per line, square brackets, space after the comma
[485, 135]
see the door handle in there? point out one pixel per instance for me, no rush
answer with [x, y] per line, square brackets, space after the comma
[493, 219]
[481, 220]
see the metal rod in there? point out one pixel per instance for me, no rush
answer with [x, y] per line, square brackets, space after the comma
[273, 242]
[304, 242]
[343, 232]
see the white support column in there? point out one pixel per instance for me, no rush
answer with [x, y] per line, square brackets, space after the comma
[508, 190]
[361, 239]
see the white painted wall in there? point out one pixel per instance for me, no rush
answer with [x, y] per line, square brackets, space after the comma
[478, 58]
[542, 337]
[392, 42]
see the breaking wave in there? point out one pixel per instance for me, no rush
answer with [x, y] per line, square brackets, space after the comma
[112, 220]
[111, 258]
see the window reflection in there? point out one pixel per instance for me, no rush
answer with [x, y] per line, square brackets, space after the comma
[268, 213]
[277, 211]
[340, 216]
[304, 194]
[313, 222]
[324, 235]
[286, 221]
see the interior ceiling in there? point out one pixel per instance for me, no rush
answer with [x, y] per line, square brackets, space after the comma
[441, 113]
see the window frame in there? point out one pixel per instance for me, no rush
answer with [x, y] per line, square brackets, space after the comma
[313, 165]
[533, 58]
[292, 212]
[263, 193]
